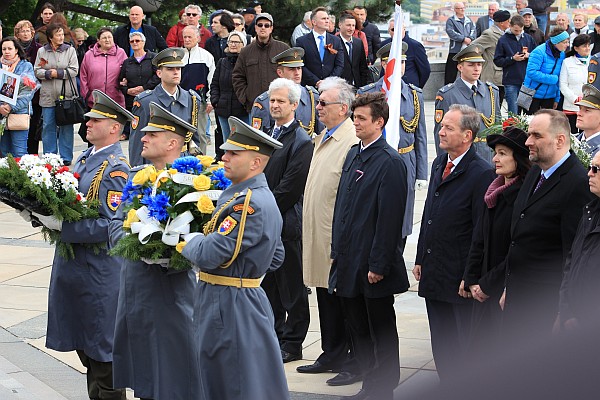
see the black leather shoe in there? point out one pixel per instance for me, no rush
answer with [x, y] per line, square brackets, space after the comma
[344, 378]
[315, 368]
[361, 395]
[288, 357]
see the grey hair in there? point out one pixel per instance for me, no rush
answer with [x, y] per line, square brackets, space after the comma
[390, 22]
[195, 7]
[307, 16]
[237, 16]
[241, 35]
[140, 34]
[194, 28]
[494, 3]
[346, 93]
[470, 118]
[294, 90]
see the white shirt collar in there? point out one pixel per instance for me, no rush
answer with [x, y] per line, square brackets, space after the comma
[587, 139]
[457, 160]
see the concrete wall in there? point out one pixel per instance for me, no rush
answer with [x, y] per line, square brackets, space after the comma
[436, 80]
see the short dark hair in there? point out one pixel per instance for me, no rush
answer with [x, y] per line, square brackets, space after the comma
[48, 5]
[20, 51]
[376, 102]
[579, 40]
[517, 20]
[346, 15]
[51, 30]
[227, 21]
[359, 7]
[316, 10]
[103, 30]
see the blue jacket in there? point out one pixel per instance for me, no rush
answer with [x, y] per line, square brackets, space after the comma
[542, 71]
[513, 72]
[23, 68]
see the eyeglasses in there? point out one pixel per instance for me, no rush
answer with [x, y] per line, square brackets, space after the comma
[263, 25]
[191, 14]
[593, 168]
[326, 103]
[237, 23]
[135, 41]
[234, 42]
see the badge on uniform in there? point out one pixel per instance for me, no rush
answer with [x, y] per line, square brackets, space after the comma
[593, 62]
[240, 207]
[439, 114]
[256, 122]
[136, 104]
[257, 105]
[113, 199]
[135, 122]
[120, 174]
[227, 226]
[438, 98]
[591, 77]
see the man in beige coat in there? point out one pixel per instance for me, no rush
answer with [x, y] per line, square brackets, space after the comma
[331, 147]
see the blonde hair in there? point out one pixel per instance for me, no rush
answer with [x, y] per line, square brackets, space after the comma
[23, 24]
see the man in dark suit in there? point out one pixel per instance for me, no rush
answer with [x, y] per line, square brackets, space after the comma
[486, 21]
[154, 40]
[323, 52]
[356, 71]
[454, 205]
[545, 217]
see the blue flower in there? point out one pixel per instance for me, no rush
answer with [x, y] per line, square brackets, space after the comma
[157, 206]
[187, 165]
[130, 191]
[220, 180]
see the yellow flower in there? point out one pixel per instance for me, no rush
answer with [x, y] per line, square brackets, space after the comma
[131, 218]
[180, 246]
[206, 161]
[205, 205]
[152, 176]
[201, 182]
[144, 175]
[173, 171]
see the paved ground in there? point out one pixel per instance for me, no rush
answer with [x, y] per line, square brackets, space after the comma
[29, 371]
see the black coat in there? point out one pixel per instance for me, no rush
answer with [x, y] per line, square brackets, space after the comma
[222, 95]
[154, 40]
[542, 230]
[356, 71]
[213, 46]
[286, 174]
[367, 223]
[453, 210]
[373, 39]
[138, 74]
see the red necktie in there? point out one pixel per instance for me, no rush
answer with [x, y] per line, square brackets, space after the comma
[447, 170]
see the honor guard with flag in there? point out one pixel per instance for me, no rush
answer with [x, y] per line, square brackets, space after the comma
[238, 352]
[289, 66]
[167, 94]
[83, 293]
[470, 91]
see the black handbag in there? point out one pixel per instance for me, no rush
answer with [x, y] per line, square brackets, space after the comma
[69, 111]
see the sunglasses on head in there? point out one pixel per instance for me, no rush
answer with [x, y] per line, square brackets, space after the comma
[191, 14]
[264, 25]
[593, 168]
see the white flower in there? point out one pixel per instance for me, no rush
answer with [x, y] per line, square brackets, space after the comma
[3, 163]
[53, 159]
[66, 181]
[40, 176]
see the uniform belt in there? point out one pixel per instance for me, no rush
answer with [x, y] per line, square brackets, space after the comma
[229, 280]
[405, 150]
[480, 139]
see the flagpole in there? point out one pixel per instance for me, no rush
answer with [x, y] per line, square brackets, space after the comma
[392, 83]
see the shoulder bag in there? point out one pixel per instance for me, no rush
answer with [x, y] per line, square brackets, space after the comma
[69, 111]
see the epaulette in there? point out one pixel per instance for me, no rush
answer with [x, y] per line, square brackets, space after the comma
[113, 160]
[492, 85]
[366, 88]
[137, 168]
[145, 93]
[415, 87]
[263, 96]
[125, 160]
[311, 89]
[444, 89]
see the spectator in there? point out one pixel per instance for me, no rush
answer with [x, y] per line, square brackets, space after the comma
[24, 33]
[83, 42]
[175, 36]
[543, 71]
[487, 21]
[580, 24]
[257, 5]
[358, 33]
[254, 70]
[101, 68]
[563, 22]
[535, 33]
[238, 22]
[512, 53]
[356, 71]
[221, 25]
[154, 40]
[540, 11]
[54, 64]
[417, 62]
[302, 28]
[461, 31]
[595, 37]
[371, 30]
[573, 75]
[14, 60]
[332, 28]
[323, 52]
[56, 18]
[588, 118]
[521, 4]
[222, 95]
[193, 14]
[46, 14]
[249, 15]
[488, 41]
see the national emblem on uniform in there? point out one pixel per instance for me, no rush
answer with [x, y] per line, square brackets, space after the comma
[593, 69]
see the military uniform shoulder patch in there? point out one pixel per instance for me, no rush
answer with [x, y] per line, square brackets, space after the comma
[256, 123]
[591, 77]
[135, 122]
[415, 87]
[439, 98]
[491, 84]
[257, 105]
[366, 88]
[444, 89]
[113, 199]
[593, 61]
[119, 174]
[240, 207]
[439, 114]
[136, 104]
[227, 226]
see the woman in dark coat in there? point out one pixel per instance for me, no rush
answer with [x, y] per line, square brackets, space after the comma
[222, 95]
[485, 272]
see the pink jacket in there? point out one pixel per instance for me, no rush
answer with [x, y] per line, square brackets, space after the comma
[101, 71]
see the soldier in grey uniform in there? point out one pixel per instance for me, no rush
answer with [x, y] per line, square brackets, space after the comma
[413, 135]
[169, 95]
[83, 293]
[591, 100]
[154, 351]
[289, 66]
[594, 69]
[239, 354]
[469, 90]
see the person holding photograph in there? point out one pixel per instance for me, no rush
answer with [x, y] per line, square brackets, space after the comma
[14, 140]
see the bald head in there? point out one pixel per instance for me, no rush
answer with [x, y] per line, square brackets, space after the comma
[136, 16]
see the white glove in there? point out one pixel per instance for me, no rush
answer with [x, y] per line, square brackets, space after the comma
[49, 221]
[25, 214]
[189, 236]
[163, 262]
[421, 184]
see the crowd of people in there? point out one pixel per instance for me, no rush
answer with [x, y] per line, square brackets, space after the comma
[319, 197]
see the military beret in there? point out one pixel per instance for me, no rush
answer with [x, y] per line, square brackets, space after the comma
[104, 107]
[501, 16]
[244, 137]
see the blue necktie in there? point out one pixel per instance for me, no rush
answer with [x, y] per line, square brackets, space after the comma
[322, 46]
[276, 132]
[349, 49]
